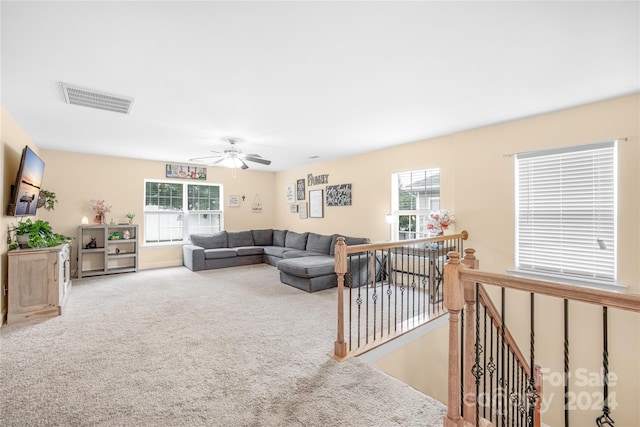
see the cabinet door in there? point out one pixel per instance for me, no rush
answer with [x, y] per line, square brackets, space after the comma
[31, 277]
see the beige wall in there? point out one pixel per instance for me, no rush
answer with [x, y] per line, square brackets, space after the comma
[477, 185]
[13, 141]
[79, 178]
[482, 178]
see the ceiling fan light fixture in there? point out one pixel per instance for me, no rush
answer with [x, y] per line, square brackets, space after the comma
[232, 157]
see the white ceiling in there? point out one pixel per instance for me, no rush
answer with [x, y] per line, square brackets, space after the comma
[303, 79]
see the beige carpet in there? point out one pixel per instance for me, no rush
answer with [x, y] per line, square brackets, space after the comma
[170, 347]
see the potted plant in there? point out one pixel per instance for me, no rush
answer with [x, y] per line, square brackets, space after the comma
[47, 199]
[131, 215]
[34, 234]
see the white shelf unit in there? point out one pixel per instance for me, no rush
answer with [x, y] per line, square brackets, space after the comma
[110, 255]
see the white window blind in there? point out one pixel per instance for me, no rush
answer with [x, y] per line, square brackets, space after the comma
[566, 212]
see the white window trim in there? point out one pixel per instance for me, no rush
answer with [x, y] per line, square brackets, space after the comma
[185, 212]
[396, 212]
[559, 277]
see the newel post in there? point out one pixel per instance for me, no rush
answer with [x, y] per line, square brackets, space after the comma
[340, 346]
[469, 390]
[454, 302]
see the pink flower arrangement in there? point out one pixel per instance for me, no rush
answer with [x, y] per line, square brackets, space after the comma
[100, 207]
[439, 221]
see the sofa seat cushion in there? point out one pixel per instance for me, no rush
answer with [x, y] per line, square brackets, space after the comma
[249, 250]
[297, 254]
[219, 253]
[275, 250]
[310, 266]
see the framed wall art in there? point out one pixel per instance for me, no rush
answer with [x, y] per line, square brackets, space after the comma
[290, 193]
[300, 189]
[303, 210]
[339, 195]
[186, 172]
[315, 204]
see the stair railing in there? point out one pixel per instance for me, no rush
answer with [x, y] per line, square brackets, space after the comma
[388, 289]
[481, 346]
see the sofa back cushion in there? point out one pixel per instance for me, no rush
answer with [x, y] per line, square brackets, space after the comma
[279, 237]
[349, 241]
[236, 239]
[262, 237]
[319, 243]
[210, 241]
[295, 240]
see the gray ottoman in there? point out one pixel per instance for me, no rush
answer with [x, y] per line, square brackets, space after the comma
[309, 273]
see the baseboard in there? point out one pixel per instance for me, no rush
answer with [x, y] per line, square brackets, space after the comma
[160, 264]
[404, 339]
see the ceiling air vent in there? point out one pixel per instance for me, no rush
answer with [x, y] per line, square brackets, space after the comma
[95, 99]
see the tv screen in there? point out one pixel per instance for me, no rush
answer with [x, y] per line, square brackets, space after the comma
[25, 192]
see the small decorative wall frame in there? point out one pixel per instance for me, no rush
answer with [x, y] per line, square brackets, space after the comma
[315, 204]
[290, 193]
[256, 206]
[186, 172]
[300, 189]
[293, 208]
[302, 210]
[234, 201]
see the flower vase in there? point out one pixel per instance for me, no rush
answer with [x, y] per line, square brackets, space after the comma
[99, 219]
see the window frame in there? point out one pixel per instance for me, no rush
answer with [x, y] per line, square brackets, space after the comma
[397, 212]
[187, 215]
[571, 184]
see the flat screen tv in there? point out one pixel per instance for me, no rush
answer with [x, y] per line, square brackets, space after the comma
[26, 190]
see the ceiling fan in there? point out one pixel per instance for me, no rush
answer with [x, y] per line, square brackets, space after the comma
[232, 156]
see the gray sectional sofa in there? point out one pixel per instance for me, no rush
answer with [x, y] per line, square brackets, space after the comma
[305, 260]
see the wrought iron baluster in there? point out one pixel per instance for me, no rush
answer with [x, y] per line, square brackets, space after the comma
[491, 367]
[462, 314]
[484, 362]
[532, 392]
[374, 297]
[503, 384]
[566, 363]
[387, 263]
[605, 419]
[477, 370]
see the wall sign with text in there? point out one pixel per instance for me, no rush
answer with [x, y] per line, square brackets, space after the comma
[338, 195]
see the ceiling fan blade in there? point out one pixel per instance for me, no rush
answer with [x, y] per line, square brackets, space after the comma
[203, 158]
[252, 155]
[258, 160]
[219, 161]
[244, 165]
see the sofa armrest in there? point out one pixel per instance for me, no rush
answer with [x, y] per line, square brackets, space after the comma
[193, 257]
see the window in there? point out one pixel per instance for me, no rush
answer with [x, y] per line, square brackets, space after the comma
[173, 211]
[566, 213]
[414, 195]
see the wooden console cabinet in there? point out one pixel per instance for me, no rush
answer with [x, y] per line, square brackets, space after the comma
[109, 254]
[39, 282]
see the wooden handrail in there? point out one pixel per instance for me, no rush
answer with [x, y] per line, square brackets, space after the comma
[486, 301]
[624, 301]
[464, 235]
